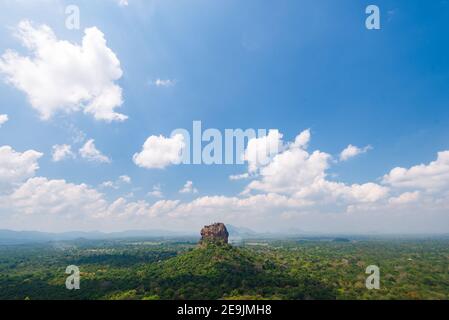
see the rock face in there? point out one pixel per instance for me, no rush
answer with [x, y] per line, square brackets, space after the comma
[216, 232]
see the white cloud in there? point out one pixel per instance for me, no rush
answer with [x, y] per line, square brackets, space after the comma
[62, 152]
[156, 192]
[60, 76]
[3, 119]
[291, 171]
[303, 175]
[260, 150]
[123, 3]
[15, 166]
[164, 83]
[303, 139]
[90, 152]
[188, 188]
[125, 179]
[109, 184]
[239, 176]
[367, 192]
[141, 208]
[352, 151]
[41, 196]
[433, 177]
[163, 207]
[405, 198]
[159, 152]
[262, 206]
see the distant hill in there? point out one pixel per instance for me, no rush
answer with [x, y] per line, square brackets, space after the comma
[10, 237]
[24, 237]
[240, 232]
[13, 237]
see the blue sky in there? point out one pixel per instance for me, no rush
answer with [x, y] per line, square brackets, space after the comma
[285, 65]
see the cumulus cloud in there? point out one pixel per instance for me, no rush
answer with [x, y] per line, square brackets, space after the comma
[159, 152]
[188, 188]
[90, 152]
[15, 166]
[3, 119]
[303, 175]
[42, 196]
[60, 76]
[109, 184]
[141, 208]
[303, 139]
[433, 176]
[260, 150]
[124, 179]
[121, 207]
[405, 198]
[123, 3]
[352, 151]
[156, 192]
[62, 152]
[163, 207]
[291, 171]
[254, 207]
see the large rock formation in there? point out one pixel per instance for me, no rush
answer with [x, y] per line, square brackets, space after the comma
[216, 232]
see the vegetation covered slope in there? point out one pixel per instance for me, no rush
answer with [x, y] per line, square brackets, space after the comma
[215, 271]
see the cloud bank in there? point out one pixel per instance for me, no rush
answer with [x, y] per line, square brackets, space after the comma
[292, 189]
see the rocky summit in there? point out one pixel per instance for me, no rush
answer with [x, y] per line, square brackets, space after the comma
[216, 232]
